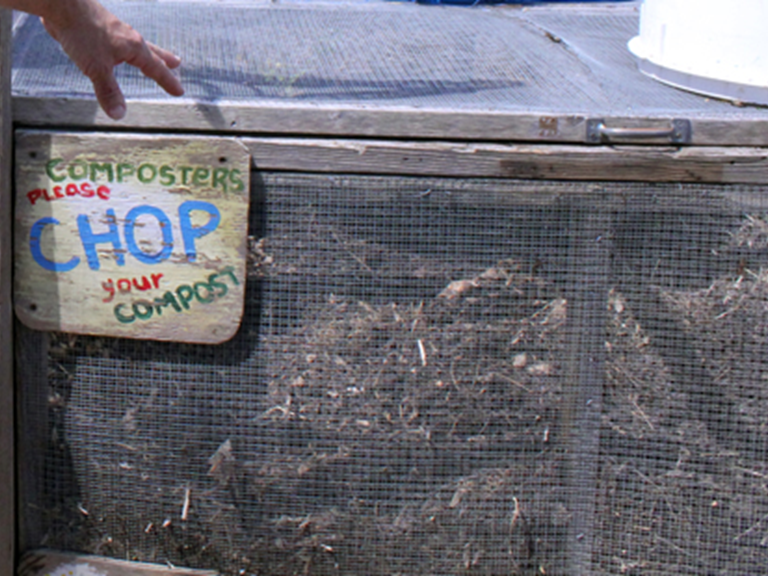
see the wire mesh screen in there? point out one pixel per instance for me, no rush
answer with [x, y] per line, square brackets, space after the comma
[382, 54]
[438, 377]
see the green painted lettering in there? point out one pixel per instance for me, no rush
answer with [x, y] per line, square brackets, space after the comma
[230, 271]
[167, 299]
[234, 178]
[50, 165]
[208, 296]
[122, 318]
[220, 178]
[147, 173]
[185, 294]
[167, 177]
[185, 171]
[105, 168]
[143, 309]
[123, 171]
[218, 285]
[200, 176]
[78, 170]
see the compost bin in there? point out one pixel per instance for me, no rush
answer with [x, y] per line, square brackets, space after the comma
[494, 301]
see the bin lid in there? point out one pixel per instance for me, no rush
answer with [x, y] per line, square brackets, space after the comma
[379, 69]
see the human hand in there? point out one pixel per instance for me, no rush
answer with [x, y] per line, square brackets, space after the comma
[97, 41]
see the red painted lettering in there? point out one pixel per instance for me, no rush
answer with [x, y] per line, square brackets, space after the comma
[145, 285]
[109, 287]
[126, 285]
[35, 195]
[85, 190]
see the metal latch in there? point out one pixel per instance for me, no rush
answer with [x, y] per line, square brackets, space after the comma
[677, 132]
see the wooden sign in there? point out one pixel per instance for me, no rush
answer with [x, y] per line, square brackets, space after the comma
[54, 563]
[136, 236]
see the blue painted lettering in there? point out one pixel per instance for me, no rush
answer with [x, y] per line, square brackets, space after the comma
[90, 240]
[37, 252]
[165, 228]
[190, 233]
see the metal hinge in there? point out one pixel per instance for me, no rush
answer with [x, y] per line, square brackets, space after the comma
[676, 132]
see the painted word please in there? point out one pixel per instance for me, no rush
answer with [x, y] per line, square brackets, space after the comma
[85, 190]
[92, 239]
[204, 292]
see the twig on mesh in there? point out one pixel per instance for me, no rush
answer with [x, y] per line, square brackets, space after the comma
[627, 567]
[422, 352]
[352, 254]
[185, 506]
[754, 473]
[510, 381]
[751, 529]
[639, 411]
[515, 514]
[674, 546]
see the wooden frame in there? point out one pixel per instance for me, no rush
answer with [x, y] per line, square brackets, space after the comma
[231, 117]
[717, 165]
[7, 404]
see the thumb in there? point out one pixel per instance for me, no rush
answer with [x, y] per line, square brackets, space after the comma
[108, 94]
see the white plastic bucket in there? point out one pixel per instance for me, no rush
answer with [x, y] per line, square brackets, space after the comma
[706, 46]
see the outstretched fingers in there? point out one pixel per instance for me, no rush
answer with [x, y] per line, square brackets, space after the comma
[108, 93]
[97, 41]
[156, 63]
[170, 59]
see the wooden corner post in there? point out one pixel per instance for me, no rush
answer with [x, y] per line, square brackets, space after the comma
[7, 468]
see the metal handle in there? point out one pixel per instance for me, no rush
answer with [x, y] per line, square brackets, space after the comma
[678, 133]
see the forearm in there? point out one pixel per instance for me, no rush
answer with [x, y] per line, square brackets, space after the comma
[60, 13]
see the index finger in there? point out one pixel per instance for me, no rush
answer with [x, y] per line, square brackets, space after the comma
[170, 59]
[155, 65]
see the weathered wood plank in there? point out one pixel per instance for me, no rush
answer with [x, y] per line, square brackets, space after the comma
[355, 120]
[7, 421]
[32, 416]
[51, 563]
[724, 131]
[301, 118]
[601, 163]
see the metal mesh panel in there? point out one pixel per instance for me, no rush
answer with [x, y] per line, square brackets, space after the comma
[438, 377]
[388, 56]
[548, 59]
